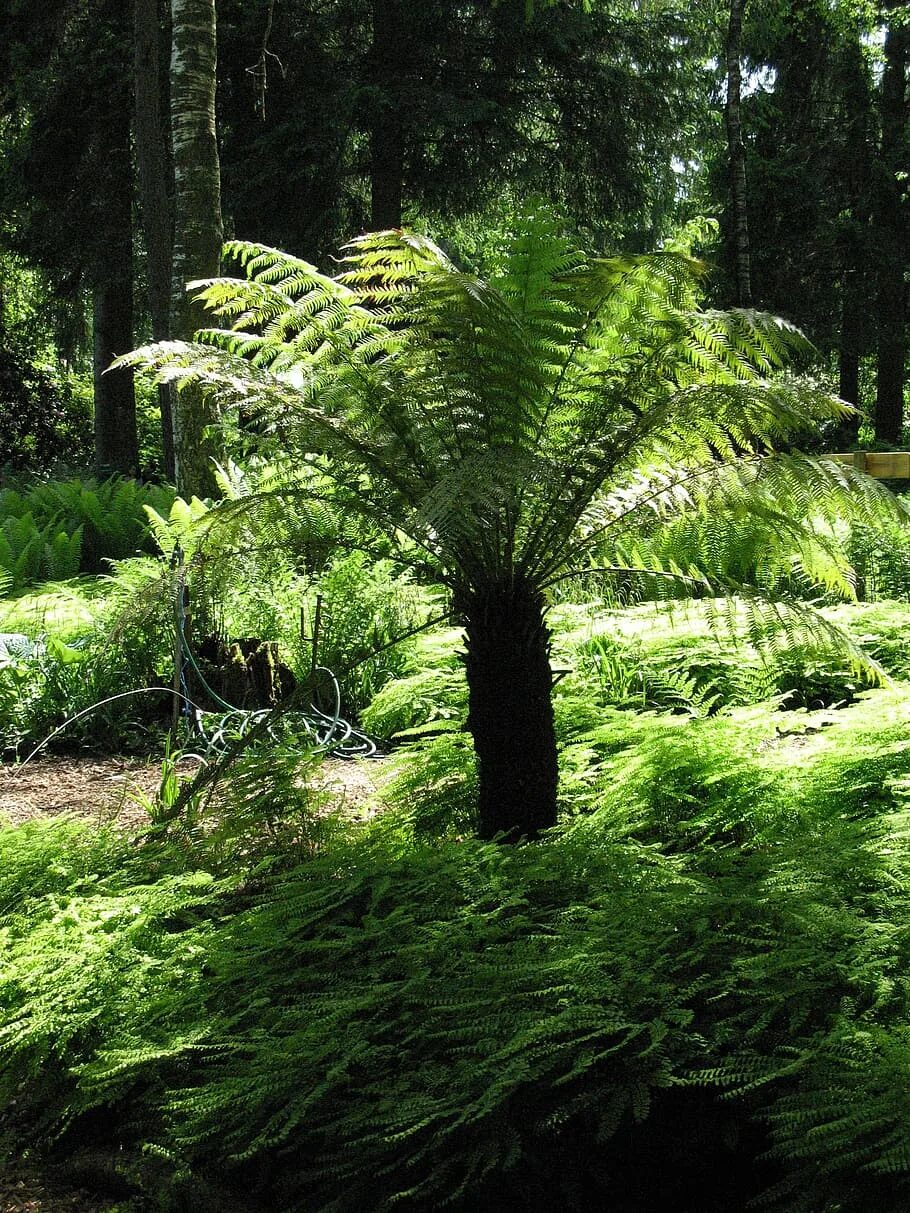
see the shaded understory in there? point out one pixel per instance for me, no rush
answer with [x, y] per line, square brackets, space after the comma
[688, 995]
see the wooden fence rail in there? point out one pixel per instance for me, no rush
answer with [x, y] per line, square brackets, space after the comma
[881, 465]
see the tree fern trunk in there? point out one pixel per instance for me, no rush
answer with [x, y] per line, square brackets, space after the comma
[511, 712]
[197, 219]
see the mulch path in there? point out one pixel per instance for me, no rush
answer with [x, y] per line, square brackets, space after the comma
[106, 789]
[110, 789]
[101, 788]
[22, 1191]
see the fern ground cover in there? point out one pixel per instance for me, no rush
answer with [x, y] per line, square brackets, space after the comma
[704, 965]
[55, 529]
[63, 609]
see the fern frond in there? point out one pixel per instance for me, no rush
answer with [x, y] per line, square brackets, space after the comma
[511, 428]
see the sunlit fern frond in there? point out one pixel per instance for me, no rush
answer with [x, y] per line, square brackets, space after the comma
[509, 427]
[291, 513]
[794, 500]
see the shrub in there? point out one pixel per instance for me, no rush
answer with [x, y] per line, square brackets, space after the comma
[52, 530]
[30, 553]
[127, 647]
[365, 607]
[432, 697]
[44, 423]
[880, 556]
[110, 514]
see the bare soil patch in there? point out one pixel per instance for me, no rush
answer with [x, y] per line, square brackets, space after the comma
[107, 789]
[22, 1191]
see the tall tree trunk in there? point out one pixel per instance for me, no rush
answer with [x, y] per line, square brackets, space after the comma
[737, 155]
[850, 337]
[116, 447]
[197, 221]
[891, 239]
[510, 717]
[387, 128]
[154, 203]
[857, 118]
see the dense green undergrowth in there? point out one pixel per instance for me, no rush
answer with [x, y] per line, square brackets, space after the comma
[693, 994]
[705, 965]
[56, 529]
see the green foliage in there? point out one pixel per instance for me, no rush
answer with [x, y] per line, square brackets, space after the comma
[280, 513]
[693, 659]
[274, 517]
[127, 645]
[623, 678]
[431, 700]
[110, 513]
[433, 789]
[178, 527]
[459, 902]
[569, 414]
[364, 1020]
[577, 103]
[881, 557]
[45, 423]
[456, 409]
[703, 675]
[55, 529]
[256, 568]
[30, 553]
[699, 656]
[364, 608]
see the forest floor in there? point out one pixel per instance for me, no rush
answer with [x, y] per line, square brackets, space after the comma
[110, 789]
[23, 1191]
[107, 789]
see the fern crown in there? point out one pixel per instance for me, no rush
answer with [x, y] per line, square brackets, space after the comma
[506, 429]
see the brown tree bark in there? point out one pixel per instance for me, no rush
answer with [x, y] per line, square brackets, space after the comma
[116, 448]
[850, 336]
[115, 402]
[737, 155]
[891, 239]
[387, 126]
[154, 201]
[197, 222]
[858, 143]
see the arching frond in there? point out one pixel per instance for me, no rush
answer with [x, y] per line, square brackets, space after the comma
[570, 410]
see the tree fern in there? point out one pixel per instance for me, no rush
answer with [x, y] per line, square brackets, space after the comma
[503, 432]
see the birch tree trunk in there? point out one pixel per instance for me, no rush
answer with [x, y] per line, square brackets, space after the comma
[197, 221]
[737, 155]
[154, 202]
